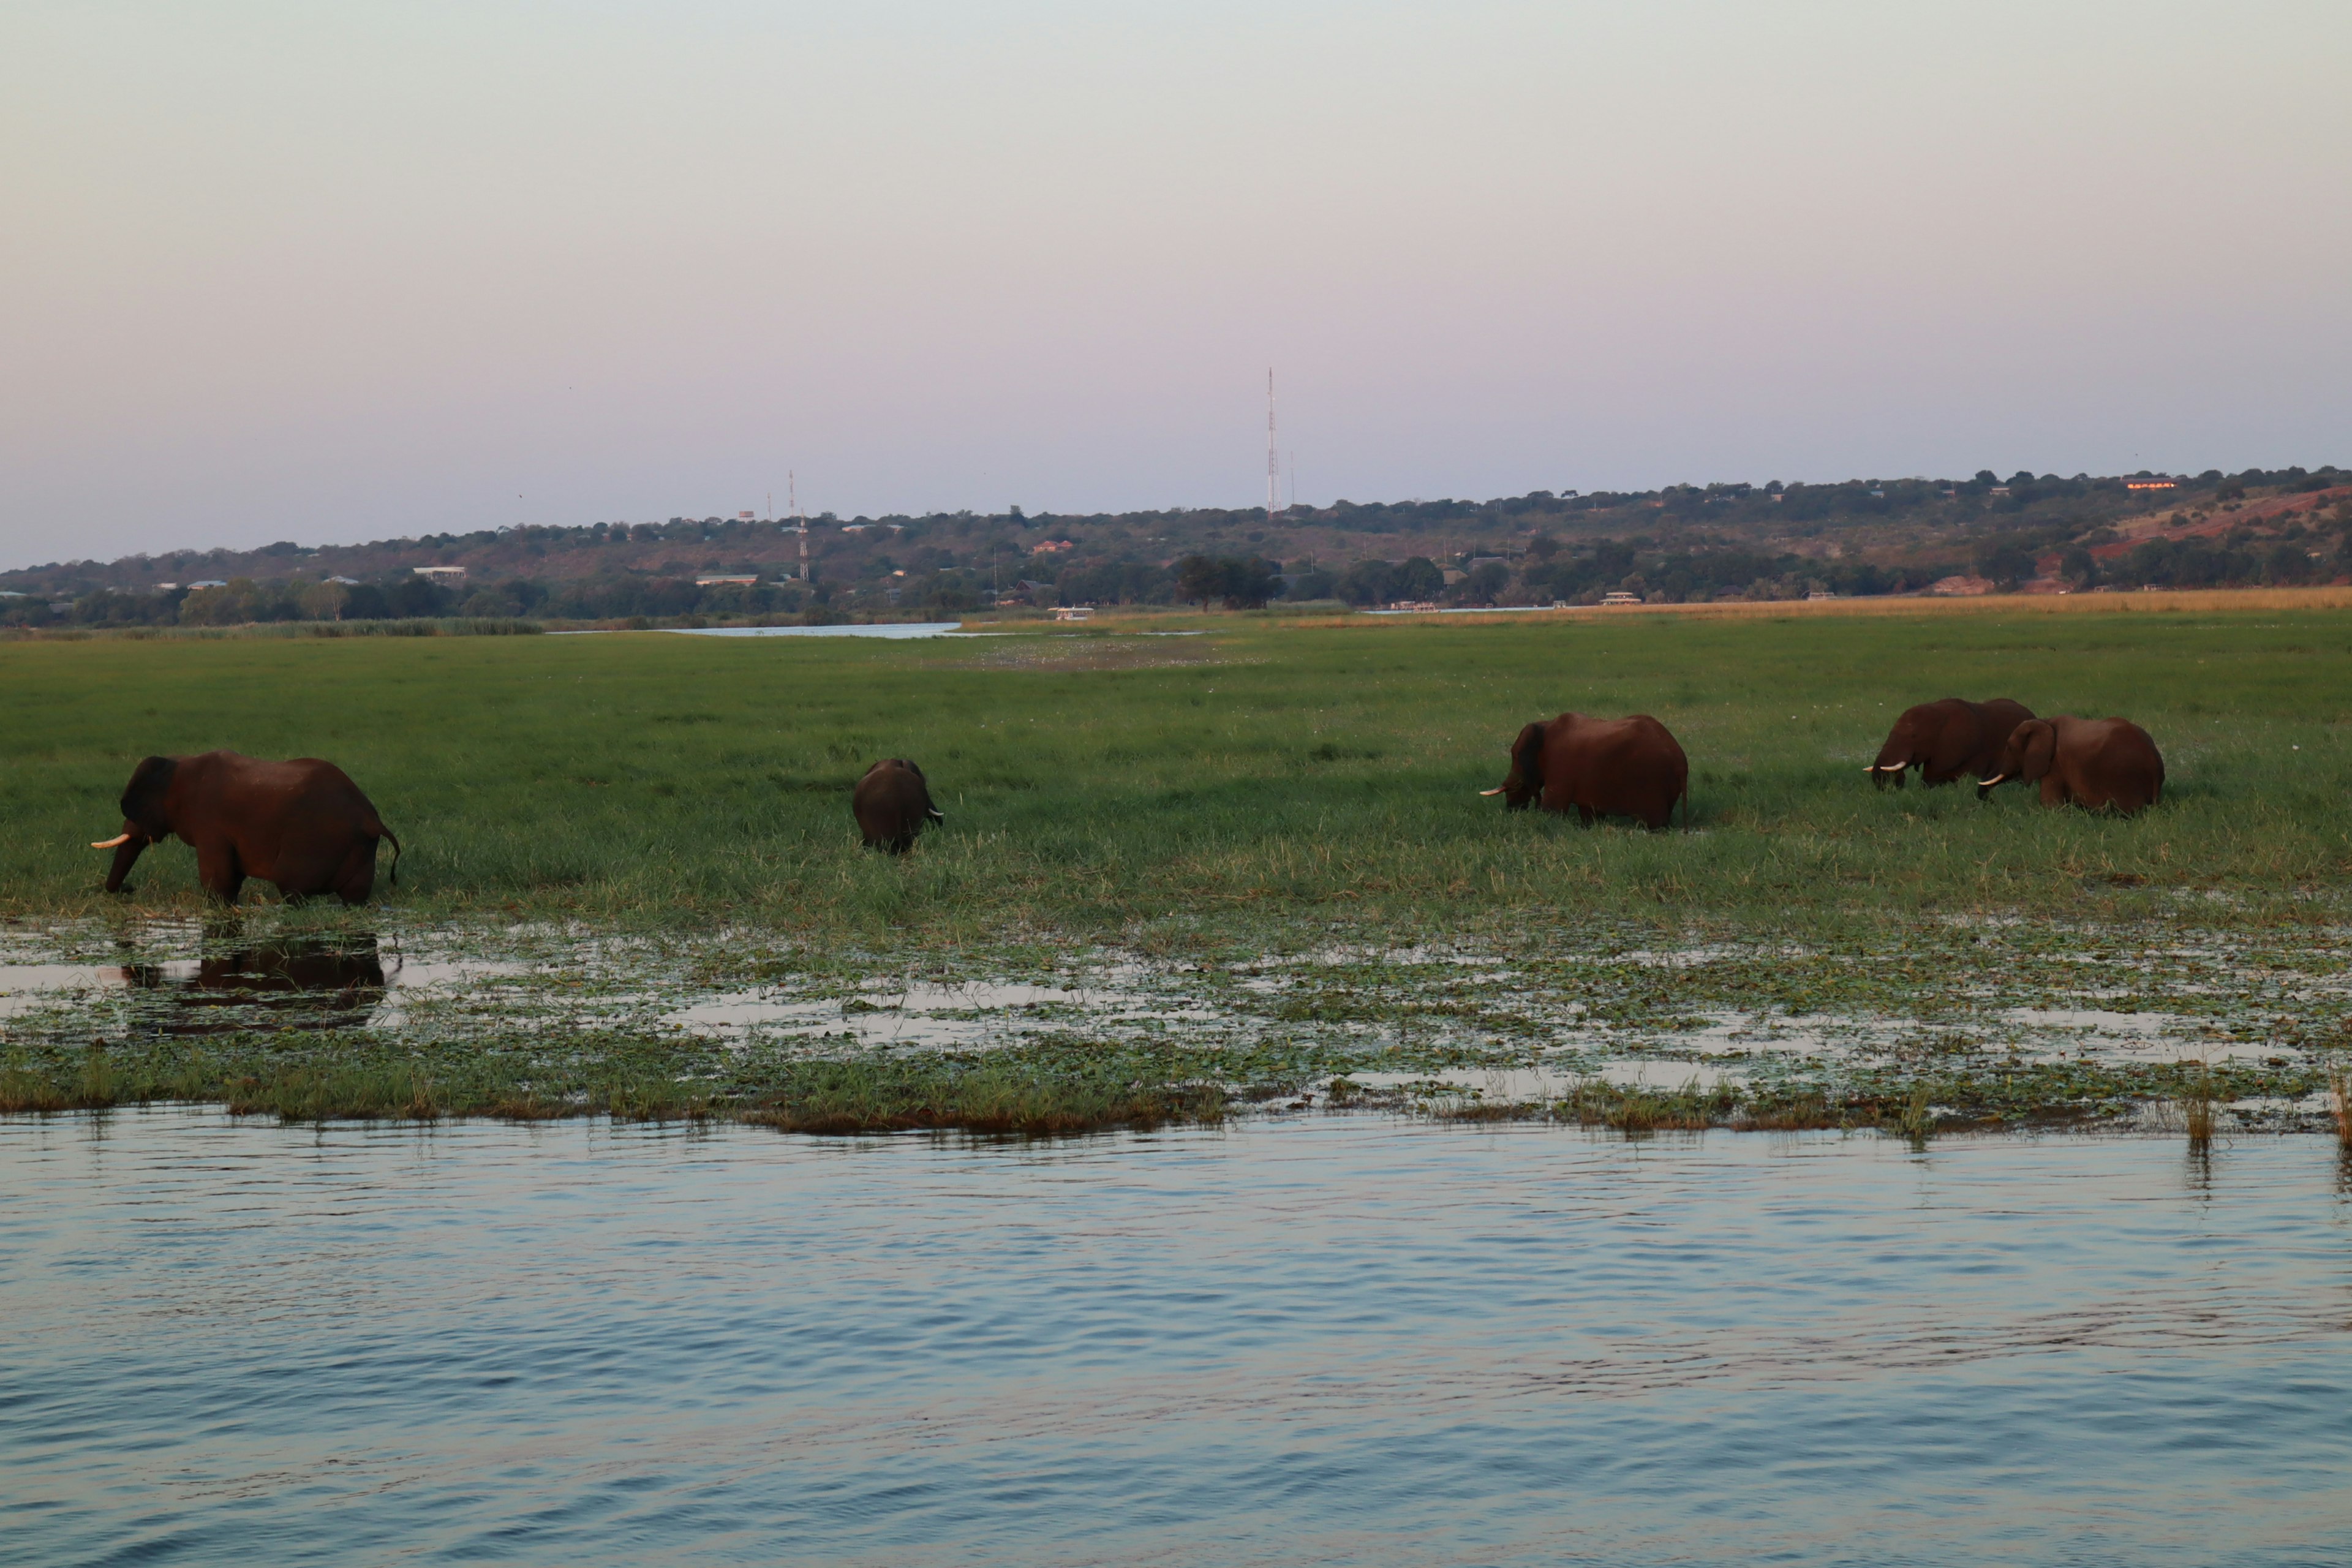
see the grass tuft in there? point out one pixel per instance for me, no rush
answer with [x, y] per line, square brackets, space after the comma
[2196, 1103]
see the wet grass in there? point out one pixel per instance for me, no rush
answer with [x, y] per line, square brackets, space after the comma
[1210, 806]
[311, 1080]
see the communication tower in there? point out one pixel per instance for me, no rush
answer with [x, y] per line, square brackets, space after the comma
[799, 523]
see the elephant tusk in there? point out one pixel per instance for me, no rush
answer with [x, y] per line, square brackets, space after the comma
[1987, 784]
[115, 843]
[1497, 790]
[1873, 768]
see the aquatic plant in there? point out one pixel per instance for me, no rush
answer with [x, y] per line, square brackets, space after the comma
[2196, 1103]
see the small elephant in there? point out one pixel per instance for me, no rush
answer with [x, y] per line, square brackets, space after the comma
[892, 802]
[303, 824]
[1946, 739]
[1599, 767]
[2091, 763]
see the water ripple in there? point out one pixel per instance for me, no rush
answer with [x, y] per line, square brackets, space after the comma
[1348, 1341]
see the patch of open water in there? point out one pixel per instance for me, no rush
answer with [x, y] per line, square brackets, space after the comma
[1343, 1340]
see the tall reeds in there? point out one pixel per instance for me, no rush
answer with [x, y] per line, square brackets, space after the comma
[2197, 1105]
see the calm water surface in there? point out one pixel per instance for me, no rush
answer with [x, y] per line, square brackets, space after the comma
[1332, 1341]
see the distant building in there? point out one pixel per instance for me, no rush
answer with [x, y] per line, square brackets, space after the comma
[2151, 484]
[1621, 598]
[346, 581]
[448, 576]
[714, 582]
[1047, 547]
[1074, 613]
[207, 583]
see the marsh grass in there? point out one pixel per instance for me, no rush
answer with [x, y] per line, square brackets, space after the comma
[1296, 780]
[1263, 789]
[316, 1079]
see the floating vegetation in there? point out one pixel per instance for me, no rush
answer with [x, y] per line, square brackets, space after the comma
[1916, 1028]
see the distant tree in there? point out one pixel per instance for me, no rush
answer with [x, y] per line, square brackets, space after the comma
[1199, 579]
[1420, 579]
[324, 601]
[1242, 582]
[1368, 583]
[2005, 560]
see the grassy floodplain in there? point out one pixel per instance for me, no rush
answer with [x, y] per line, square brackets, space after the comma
[1278, 819]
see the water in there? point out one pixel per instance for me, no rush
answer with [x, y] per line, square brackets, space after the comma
[893, 630]
[1342, 1340]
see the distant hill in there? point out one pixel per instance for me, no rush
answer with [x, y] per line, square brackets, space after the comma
[1686, 542]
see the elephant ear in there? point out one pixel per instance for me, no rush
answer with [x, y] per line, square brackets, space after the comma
[2041, 750]
[1527, 756]
[143, 798]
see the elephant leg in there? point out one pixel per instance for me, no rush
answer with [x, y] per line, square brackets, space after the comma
[219, 871]
[1584, 814]
[356, 880]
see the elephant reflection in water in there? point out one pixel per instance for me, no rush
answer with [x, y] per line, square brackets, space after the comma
[299, 982]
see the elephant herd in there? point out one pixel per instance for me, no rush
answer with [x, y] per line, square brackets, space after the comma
[1634, 767]
[306, 826]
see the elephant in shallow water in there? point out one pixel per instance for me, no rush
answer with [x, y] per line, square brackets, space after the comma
[891, 803]
[303, 824]
[1599, 767]
[2091, 763]
[1946, 739]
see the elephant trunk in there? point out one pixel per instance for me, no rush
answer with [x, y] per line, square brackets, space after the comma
[126, 853]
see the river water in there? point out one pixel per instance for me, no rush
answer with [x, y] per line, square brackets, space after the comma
[1341, 1340]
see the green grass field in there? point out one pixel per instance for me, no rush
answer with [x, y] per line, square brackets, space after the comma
[1198, 804]
[1249, 779]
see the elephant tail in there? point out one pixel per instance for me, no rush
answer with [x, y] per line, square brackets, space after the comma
[384, 832]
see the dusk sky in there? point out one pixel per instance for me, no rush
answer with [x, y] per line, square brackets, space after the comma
[343, 272]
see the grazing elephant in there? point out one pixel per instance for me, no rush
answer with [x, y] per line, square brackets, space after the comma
[1599, 767]
[892, 802]
[302, 825]
[1946, 739]
[2092, 763]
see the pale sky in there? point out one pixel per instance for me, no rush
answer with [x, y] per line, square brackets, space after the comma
[338, 272]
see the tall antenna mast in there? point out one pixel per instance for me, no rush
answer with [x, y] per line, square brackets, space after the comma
[792, 499]
[1273, 459]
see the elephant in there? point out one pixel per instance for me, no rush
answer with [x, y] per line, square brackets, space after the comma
[1946, 739]
[2091, 763]
[303, 824]
[1600, 767]
[892, 802]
